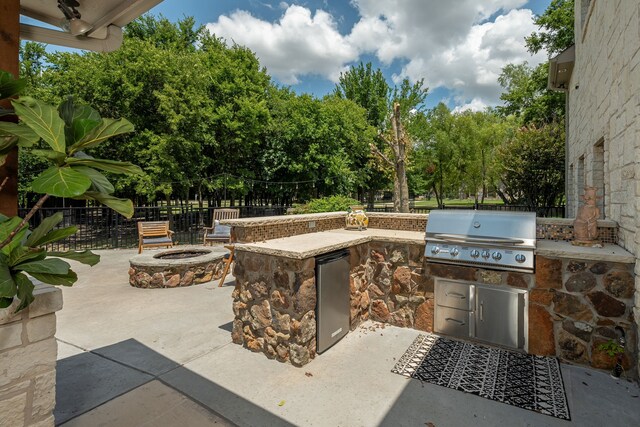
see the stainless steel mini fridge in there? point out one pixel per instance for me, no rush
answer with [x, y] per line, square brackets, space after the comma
[332, 314]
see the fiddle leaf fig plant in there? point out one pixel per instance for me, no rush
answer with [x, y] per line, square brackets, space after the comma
[67, 132]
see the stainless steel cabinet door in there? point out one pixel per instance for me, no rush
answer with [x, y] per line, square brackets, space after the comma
[334, 310]
[500, 316]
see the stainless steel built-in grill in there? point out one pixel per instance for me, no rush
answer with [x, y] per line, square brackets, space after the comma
[494, 240]
[498, 240]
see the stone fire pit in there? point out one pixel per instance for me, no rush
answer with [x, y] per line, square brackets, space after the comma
[184, 266]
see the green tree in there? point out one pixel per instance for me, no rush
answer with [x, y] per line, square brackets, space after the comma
[526, 95]
[556, 28]
[367, 88]
[370, 90]
[532, 167]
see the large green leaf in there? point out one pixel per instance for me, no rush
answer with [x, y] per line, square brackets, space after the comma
[81, 128]
[8, 225]
[61, 182]
[26, 136]
[85, 257]
[58, 234]
[70, 111]
[112, 166]
[45, 227]
[9, 85]
[56, 156]
[107, 129]
[100, 182]
[15, 242]
[5, 302]
[7, 285]
[24, 291]
[122, 206]
[57, 279]
[6, 228]
[44, 121]
[24, 254]
[45, 266]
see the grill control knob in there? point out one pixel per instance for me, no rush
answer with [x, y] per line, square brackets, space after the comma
[485, 254]
[521, 258]
[454, 252]
[475, 253]
[435, 250]
[497, 256]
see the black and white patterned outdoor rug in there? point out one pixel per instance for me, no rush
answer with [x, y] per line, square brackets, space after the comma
[518, 379]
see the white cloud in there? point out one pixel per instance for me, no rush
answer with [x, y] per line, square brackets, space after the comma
[299, 44]
[474, 105]
[451, 45]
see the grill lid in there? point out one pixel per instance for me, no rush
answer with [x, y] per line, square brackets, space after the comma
[504, 240]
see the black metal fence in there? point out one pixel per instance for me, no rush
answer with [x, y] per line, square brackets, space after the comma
[102, 228]
[545, 211]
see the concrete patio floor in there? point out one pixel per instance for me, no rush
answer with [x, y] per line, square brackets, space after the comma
[164, 357]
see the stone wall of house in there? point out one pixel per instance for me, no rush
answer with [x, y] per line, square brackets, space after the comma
[28, 353]
[575, 306]
[274, 304]
[604, 117]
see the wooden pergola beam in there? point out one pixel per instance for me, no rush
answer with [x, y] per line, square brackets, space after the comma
[9, 48]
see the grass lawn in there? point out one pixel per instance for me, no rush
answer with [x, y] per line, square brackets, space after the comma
[447, 202]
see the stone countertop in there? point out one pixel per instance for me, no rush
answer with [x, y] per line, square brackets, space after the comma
[609, 253]
[310, 245]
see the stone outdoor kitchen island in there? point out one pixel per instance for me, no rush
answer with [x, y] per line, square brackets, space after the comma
[577, 296]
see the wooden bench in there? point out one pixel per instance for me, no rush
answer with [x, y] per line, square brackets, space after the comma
[153, 234]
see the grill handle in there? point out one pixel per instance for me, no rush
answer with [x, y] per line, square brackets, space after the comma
[461, 238]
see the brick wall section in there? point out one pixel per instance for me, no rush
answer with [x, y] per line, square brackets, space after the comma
[605, 107]
[28, 353]
[575, 306]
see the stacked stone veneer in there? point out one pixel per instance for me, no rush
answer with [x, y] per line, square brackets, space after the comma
[274, 304]
[575, 306]
[389, 284]
[165, 276]
[28, 353]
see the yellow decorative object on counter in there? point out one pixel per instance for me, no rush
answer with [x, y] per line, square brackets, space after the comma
[356, 218]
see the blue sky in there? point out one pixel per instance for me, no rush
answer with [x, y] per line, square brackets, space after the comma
[458, 47]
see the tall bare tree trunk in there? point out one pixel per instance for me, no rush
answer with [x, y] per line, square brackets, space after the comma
[398, 146]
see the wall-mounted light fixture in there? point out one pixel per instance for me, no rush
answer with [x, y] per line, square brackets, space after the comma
[72, 21]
